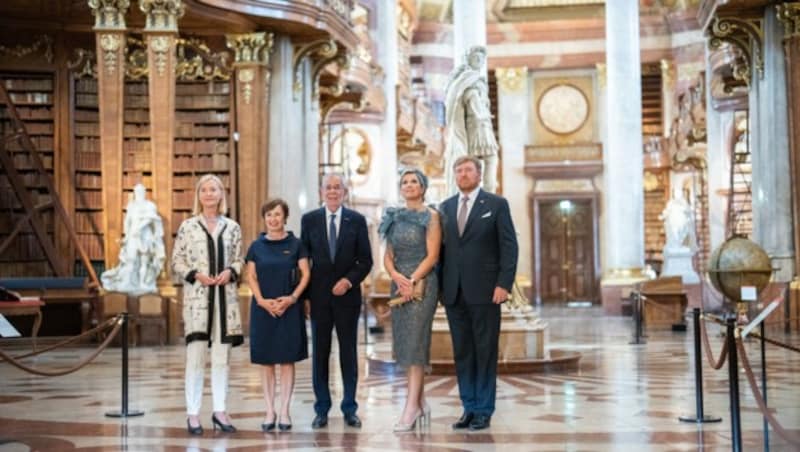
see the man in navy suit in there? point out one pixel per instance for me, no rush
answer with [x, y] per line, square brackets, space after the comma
[338, 245]
[479, 261]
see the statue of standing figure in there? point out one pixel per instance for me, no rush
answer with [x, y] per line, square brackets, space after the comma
[468, 120]
[679, 224]
[142, 254]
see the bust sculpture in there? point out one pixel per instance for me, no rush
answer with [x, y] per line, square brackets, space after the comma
[142, 254]
[468, 119]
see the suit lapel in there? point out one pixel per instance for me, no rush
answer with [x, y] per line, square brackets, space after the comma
[324, 222]
[450, 211]
[344, 226]
[476, 208]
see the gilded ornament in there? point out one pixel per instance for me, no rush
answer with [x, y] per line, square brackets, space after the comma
[162, 15]
[250, 47]
[668, 72]
[601, 74]
[747, 36]
[246, 77]
[511, 79]
[85, 64]
[110, 44]
[109, 14]
[161, 47]
[789, 15]
[195, 61]
[44, 42]
[135, 59]
[325, 51]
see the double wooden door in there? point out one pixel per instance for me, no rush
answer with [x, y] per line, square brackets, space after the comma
[566, 255]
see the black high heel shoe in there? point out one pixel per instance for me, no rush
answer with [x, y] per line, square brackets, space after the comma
[227, 428]
[193, 430]
[285, 427]
[269, 426]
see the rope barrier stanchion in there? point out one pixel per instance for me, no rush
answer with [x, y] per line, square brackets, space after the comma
[125, 412]
[637, 321]
[790, 437]
[764, 383]
[700, 417]
[67, 341]
[733, 378]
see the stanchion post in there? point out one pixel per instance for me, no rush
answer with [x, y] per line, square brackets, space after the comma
[733, 378]
[125, 412]
[700, 417]
[637, 320]
[764, 382]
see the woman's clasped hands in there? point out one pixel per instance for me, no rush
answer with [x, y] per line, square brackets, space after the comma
[276, 306]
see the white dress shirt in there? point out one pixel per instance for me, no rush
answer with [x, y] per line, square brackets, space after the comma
[472, 195]
[338, 222]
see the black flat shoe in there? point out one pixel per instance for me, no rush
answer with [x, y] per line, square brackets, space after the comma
[194, 430]
[480, 422]
[227, 428]
[268, 426]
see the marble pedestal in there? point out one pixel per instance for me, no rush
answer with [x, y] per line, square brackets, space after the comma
[678, 262]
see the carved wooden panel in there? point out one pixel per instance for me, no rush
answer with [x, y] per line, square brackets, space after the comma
[567, 250]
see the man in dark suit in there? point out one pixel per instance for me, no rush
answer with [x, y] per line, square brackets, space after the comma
[338, 245]
[479, 261]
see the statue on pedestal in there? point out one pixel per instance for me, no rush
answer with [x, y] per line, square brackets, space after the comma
[142, 253]
[681, 242]
[468, 120]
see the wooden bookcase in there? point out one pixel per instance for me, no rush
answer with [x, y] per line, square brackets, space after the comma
[203, 142]
[32, 94]
[88, 176]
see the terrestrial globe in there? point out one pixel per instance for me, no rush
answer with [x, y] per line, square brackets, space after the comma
[736, 263]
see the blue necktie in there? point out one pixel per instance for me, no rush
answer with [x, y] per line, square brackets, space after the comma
[332, 237]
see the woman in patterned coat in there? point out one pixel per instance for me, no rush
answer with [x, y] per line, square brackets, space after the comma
[207, 260]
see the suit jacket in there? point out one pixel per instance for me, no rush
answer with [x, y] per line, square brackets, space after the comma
[485, 256]
[353, 258]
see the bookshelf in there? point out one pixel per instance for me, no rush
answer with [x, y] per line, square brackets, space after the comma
[32, 94]
[203, 141]
[88, 176]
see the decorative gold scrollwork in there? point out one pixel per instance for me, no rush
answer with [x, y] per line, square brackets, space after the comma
[162, 15]
[789, 15]
[250, 47]
[110, 44]
[43, 42]
[84, 65]
[135, 59]
[161, 47]
[196, 61]
[747, 36]
[325, 50]
[246, 77]
[511, 79]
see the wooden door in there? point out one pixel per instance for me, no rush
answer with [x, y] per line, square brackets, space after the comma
[567, 250]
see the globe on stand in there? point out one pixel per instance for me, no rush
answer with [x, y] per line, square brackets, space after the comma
[737, 263]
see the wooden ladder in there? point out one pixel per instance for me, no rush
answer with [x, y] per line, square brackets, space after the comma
[32, 215]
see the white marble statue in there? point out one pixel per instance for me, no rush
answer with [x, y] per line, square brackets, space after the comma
[468, 120]
[141, 254]
[679, 224]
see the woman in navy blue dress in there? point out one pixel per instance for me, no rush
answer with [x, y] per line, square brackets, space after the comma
[278, 272]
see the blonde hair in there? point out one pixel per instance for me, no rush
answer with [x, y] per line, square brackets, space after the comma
[222, 207]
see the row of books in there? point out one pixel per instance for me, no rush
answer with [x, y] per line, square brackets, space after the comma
[215, 162]
[17, 84]
[201, 147]
[29, 113]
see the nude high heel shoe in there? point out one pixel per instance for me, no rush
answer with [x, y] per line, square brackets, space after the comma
[399, 427]
[426, 415]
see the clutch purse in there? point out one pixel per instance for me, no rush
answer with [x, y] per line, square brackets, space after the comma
[417, 293]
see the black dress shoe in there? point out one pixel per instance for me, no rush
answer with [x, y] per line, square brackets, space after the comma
[352, 420]
[269, 426]
[319, 421]
[463, 421]
[194, 430]
[285, 427]
[480, 422]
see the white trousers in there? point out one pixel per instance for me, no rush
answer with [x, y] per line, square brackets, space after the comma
[195, 369]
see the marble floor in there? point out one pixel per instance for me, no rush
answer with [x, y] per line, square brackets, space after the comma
[621, 398]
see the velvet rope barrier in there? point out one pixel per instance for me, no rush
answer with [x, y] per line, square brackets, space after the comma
[11, 360]
[68, 341]
[762, 406]
[715, 364]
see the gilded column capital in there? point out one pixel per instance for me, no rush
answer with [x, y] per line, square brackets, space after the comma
[601, 74]
[325, 50]
[789, 15]
[668, 72]
[110, 44]
[162, 15]
[109, 14]
[251, 48]
[511, 79]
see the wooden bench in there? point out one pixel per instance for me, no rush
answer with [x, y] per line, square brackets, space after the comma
[57, 293]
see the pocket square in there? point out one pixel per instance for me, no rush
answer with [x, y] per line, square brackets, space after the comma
[486, 215]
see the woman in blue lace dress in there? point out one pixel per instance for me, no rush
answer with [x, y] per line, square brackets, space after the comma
[413, 234]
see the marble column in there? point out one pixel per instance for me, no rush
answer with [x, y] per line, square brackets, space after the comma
[513, 105]
[385, 165]
[469, 26]
[161, 32]
[287, 147]
[789, 14]
[623, 197]
[769, 135]
[109, 30]
[251, 78]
